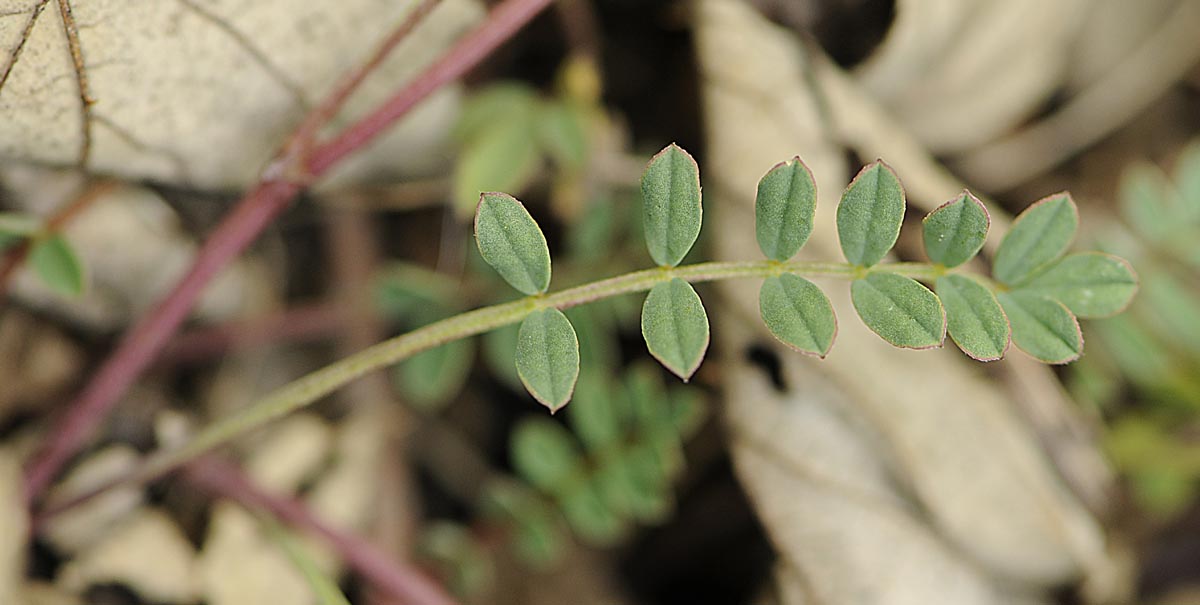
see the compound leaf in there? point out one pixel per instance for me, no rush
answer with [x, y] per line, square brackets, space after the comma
[675, 326]
[798, 313]
[900, 310]
[784, 208]
[548, 357]
[544, 453]
[1042, 327]
[671, 205]
[1091, 284]
[955, 231]
[974, 317]
[1037, 238]
[53, 259]
[869, 215]
[512, 243]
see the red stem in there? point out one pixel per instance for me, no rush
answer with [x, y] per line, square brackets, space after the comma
[296, 324]
[251, 215]
[399, 581]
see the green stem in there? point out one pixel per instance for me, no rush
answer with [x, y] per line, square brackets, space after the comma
[308, 389]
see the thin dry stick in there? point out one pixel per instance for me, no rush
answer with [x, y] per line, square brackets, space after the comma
[295, 324]
[282, 181]
[15, 257]
[402, 582]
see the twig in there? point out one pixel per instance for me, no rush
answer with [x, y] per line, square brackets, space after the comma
[281, 182]
[296, 324]
[400, 581]
[15, 257]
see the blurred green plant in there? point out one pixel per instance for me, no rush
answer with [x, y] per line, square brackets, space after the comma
[1152, 353]
[51, 256]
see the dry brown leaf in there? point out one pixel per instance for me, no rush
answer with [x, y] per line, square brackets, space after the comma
[84, 525]
[966, 476]
[238, 565]
[148, 554]
[198, 92]
[14, 525]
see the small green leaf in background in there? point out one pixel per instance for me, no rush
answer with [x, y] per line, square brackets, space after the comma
[562, 132]
[900, 310]
[414, 294]
[1042, 327]
[548, 357]
[1187, 179]
[784, 208]
[539, 537]
[499, 148]
[593, 414]
[671, 205]
[1090, 284]
[55, 262]
[15, 227]
[798, 313]
[974, 317]
[545, 454]
[500, 354]
[688, 410]
[590, 516]
[1038, 236]
[955, 231]
[462, 563]
[675, 326]
[869, 214]
[430, 379]
[1148, 202]
[512, 243]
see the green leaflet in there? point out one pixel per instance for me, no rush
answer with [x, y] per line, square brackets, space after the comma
[974, 317]
[1148, 202]
[431, 378]
[798, 314]
[548, 357]
[675, 326]
[671, 205]
[1043, 328]
[955, 231]
[900, 310]
[1091, 284]
[512, 243]
[593, 414]
[1037, 238]
[504, 157]
[538, 537]
[545, 454]
[1187, 178]
[784, 208]
[590, 516]
[500, 354]
[869, 215]
[53, 259]
[562, 132]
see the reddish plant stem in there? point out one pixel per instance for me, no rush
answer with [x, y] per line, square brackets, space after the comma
[146, 338]
[296, 324]
[401, 582]
[329, 108]
[15, 257]
[251, 215]
[504, 21]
